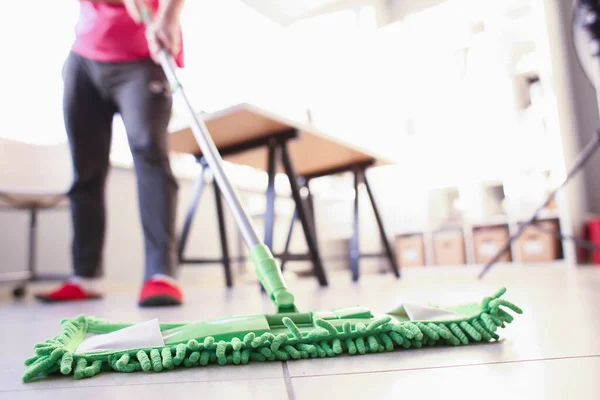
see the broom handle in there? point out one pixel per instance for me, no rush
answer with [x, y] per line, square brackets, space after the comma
[267, 270]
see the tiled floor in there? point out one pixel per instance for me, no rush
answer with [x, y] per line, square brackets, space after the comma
[550, 352]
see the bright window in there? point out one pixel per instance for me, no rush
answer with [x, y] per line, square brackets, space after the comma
[36, 37]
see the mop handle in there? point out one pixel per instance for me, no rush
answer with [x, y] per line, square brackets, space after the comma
[267, 270]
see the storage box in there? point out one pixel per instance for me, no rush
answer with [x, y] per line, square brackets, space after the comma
[449, 248]
[410, 251]
[487, 241]
[537, 246]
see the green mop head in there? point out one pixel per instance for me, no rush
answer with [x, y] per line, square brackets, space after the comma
[272, 337]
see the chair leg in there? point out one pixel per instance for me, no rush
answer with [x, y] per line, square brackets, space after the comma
[32, 245]
[223, 235]
[306, 226]
[384, 238]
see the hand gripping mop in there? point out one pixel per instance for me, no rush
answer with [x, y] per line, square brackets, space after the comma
[87, 346]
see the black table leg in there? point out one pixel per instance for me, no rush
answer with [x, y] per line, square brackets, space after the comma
[384, 238]
[311, 208]
[223, 234]
[269, 219]
[269, 216]
[190, 213]
[354, 242]
[306, 226]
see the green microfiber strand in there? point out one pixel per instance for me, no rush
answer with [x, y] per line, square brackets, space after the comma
[323, 338]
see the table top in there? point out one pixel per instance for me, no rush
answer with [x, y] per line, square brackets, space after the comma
[312, 152]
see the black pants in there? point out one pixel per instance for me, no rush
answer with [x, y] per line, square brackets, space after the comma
[139, 92]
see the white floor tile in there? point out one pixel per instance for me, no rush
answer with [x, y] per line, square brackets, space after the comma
[559, 305]
[560, 320]
[538, 380]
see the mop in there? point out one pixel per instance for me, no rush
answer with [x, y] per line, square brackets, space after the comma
[86, 346]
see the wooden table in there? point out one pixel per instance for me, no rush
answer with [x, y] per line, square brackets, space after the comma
[254, 137]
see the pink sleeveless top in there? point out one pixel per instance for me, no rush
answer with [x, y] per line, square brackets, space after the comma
[106, 33]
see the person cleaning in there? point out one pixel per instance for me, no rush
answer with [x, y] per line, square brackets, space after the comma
[113, 68]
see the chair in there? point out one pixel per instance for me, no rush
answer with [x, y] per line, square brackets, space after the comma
[32, 179]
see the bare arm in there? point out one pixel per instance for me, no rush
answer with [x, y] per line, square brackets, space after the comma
[164, 31]
[171, 9]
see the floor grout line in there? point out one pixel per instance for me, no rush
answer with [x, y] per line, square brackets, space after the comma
[448, 366]
[289, 386]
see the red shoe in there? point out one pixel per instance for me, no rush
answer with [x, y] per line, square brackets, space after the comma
[67, 292]
[157, 293]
